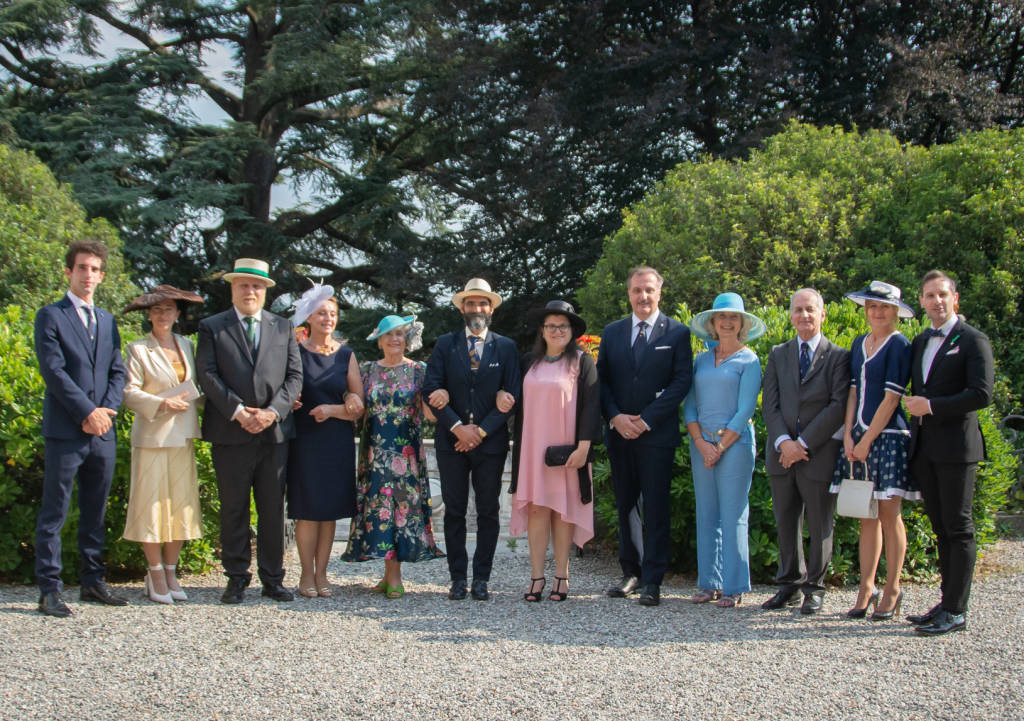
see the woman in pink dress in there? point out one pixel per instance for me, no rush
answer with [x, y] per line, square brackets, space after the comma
[560, 407]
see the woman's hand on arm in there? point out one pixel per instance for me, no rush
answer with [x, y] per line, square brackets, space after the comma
[504, 401]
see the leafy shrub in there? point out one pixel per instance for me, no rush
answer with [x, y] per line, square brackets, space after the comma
[21, 472]
[843, 322]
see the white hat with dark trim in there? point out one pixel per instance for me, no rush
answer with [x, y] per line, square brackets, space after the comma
[251, 268]
[883, 293]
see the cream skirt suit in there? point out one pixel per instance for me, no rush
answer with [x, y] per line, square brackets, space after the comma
[164, 501]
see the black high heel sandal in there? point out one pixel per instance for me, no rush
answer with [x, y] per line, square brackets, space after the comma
[862, 612]
[535, 596]
[557, 595]
[886, 615]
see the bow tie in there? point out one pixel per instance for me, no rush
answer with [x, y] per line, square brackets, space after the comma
[929, 333]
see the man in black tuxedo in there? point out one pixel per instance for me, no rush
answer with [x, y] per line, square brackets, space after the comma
[645, 365]
[806, 383]
[248, 364]
[466, 370]
[951, 379]
[79, 353]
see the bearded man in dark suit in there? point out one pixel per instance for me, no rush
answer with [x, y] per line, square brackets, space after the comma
[951, 380]
[248, 364]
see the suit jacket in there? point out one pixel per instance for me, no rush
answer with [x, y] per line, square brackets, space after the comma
[655, 387]
[229, 374]
[78, 379]
[149, 374]
[817, 403]
[472, 395]
[960, 383]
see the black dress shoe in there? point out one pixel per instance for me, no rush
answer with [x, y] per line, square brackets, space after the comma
[782, 598]
[479, 591]
[926, 617]
[628, 584]
[458, 590]
[235, 591]
[944, 622]
[51, 604]
[651, 595]
[99, 593]
[277, 591]
[812, 603]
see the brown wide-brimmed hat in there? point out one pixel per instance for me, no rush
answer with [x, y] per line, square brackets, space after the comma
[160, 294]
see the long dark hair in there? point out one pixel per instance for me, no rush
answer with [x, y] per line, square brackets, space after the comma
[536, 354]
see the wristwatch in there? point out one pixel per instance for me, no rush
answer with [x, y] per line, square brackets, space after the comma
[483, 433]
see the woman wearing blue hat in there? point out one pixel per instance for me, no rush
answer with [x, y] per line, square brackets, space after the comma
[876, 436]
[717, 412]
[393, 519]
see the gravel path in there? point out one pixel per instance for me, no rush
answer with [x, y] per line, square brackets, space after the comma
[360, 656]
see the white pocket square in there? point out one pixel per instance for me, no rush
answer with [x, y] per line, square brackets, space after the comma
[953, 351]
[662, 347]
[493, 365]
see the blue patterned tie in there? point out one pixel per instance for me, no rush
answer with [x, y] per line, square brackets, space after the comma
[805, 359]
[474, 357]
[641, 341]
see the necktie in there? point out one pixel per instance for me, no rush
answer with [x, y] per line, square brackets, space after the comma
[250, 330]
[474, 357]
[928, 333]
[90, 323]
[641, 341]
[805, 359]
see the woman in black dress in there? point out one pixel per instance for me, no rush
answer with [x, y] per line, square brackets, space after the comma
[321, 459]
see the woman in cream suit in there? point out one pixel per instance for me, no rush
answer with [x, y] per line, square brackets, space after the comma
[163, 508]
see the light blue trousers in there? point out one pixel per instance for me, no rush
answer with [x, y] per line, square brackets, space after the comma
[723, 557]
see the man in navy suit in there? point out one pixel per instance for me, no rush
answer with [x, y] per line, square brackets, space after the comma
[248, 364]
[466, 370]
[645, 365]
[951, 380]
[79, 354]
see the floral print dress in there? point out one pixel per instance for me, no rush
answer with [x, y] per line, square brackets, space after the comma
[392, 519]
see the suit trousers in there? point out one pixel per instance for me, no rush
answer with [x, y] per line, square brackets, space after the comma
[92, 460]
[258, 467]
[795, 494]
[458, 471]
[948, 492]
[641, 472]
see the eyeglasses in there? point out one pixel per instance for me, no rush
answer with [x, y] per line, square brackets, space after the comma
[556, 328]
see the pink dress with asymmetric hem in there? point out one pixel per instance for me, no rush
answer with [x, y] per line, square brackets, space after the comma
[549, 407]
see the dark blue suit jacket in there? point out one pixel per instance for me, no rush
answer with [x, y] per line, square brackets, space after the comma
[655, 387]
[78, 381]
[472, 395]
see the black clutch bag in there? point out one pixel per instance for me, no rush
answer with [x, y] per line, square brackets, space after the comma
[559, 455]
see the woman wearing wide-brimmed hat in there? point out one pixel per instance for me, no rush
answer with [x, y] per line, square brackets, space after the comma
[393, 516]
[876, 435]
[321, 457]
[163, 504]
[717, 412]
[560, 406]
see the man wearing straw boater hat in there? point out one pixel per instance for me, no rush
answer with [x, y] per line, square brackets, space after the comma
[464, 374]
[248, 364]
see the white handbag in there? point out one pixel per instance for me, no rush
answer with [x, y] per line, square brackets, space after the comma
[857, 498]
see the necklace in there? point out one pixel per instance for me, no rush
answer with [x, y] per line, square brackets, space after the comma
[323, 348]
[553, 358]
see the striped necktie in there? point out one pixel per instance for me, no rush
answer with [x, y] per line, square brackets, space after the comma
[474, 356]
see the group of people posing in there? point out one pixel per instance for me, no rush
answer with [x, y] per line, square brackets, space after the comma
[282, 411]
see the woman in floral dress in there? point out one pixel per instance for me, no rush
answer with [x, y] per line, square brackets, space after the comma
[392, 519]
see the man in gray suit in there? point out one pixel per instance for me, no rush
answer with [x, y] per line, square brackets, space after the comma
[248, 364]
[806, 384]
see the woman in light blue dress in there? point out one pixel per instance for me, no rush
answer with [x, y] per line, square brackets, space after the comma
[717, 412]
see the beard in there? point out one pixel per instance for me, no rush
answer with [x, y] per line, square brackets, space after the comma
[477, 322]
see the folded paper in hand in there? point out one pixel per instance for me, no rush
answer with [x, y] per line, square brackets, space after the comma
[187, 387]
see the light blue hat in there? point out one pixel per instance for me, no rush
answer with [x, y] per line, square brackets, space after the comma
[389, 323]
[726, 303]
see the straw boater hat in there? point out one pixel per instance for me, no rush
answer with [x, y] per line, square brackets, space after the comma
[726, 303]
[883, 293]
[160, 294]
[251, 268]
[413, 334]
[476, 286]
[310, 301]
[558, 307]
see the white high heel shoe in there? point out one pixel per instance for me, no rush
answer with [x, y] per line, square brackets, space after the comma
[153, 595]
[179, 594]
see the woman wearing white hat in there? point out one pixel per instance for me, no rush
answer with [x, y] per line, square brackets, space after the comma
[321, 459]
[717, 412]
[393, 518]
[876, 435]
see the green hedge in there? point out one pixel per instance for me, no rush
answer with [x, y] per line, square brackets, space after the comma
[21, 472]
[843, 322]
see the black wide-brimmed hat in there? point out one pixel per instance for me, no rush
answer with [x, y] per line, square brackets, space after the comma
[160, 294]
[558, 307]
